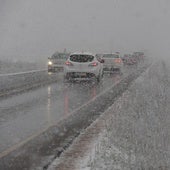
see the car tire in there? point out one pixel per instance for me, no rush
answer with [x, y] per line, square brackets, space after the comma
[67, 78]
[102, 74]
[98, 78]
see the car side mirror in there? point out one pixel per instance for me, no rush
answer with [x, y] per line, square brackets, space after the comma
[102, 61]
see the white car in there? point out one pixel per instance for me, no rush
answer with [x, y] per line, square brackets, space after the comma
[83, 66]
[112, 62]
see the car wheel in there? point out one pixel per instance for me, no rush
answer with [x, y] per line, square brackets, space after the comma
[111, 71]
[102, 74]
[67, 78]
[98, 78]
[120, 72]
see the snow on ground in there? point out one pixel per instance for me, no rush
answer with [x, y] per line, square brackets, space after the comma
[138, 134]
[134, 134]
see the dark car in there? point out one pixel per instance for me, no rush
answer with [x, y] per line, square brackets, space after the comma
[56, 61]
[139, 56]
[129, 59]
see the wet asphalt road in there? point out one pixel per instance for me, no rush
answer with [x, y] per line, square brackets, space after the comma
[27, 114]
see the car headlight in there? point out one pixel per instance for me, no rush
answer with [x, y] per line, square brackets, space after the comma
[50, 63]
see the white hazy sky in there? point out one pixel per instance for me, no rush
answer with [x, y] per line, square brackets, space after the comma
[37, 28]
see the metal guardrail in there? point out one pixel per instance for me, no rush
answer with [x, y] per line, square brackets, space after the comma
[13, 81]
[19, 73]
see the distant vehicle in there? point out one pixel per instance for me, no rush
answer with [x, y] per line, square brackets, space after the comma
[112, 62]
[139, 55]
[99, 56]
[129, 59]
[56, 61]
[81, 66]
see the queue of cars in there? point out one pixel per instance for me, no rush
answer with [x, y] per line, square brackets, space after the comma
[84, 65]
[129, 59]
[133, 59]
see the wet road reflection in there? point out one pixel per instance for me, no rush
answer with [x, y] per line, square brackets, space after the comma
[49, 105]
[29, 113]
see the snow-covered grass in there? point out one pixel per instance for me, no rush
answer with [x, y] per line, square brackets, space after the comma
[137, 137]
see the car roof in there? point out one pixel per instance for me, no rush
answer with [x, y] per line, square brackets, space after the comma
[82, 53]
[111, 54]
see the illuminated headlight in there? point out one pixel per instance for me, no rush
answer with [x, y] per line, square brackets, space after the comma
[50, 63]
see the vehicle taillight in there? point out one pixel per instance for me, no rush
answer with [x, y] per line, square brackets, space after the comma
[117, 60]
[68, 63]
[93, 64]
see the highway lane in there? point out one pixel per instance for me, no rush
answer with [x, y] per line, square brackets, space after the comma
[27, 114]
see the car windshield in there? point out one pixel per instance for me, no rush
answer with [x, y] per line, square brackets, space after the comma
[110, 56]
[81, 58]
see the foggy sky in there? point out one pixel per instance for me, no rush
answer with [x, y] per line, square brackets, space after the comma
[35, 29]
